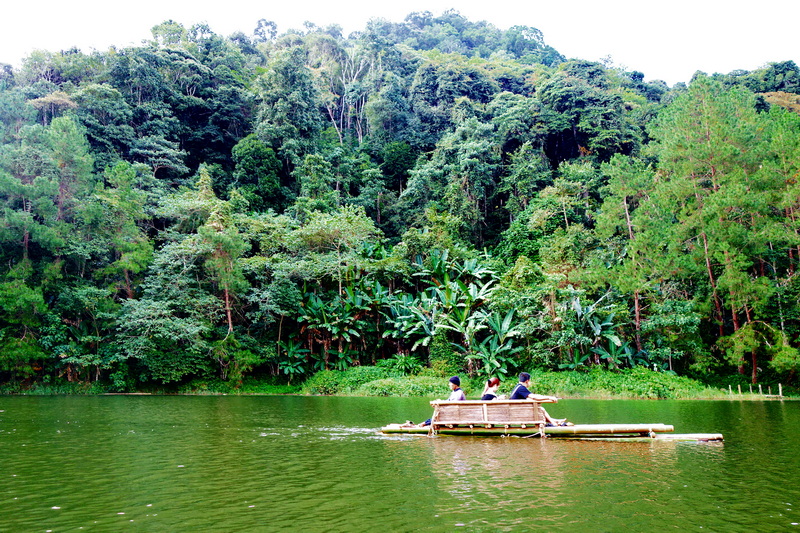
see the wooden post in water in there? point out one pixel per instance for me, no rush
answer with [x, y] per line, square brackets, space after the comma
[730, 390]
[740, 389]
[780, 390]
[759, 390]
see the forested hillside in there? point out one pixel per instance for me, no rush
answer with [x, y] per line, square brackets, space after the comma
[436, 192]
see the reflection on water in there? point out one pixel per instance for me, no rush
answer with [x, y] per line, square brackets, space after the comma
[510, 483]
[318, 464]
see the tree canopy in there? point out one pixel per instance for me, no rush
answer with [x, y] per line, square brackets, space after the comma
[435, 192]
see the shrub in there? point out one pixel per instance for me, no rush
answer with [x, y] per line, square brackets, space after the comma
[408, 386]
[342, 381]
[354, 377]
[444, 360]
[323, 382]
[401, 365]
[637, 382]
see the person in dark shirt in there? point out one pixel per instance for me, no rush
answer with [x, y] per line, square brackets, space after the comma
[521, 392]
[490, 389]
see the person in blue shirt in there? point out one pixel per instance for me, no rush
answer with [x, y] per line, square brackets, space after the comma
[521, 392]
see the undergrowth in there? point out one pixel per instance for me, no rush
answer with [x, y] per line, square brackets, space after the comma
[635, 383]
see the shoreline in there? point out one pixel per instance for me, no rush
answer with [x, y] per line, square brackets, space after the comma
[367, 381]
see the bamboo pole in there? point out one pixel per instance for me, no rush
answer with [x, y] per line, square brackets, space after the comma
[780, 390]
[730, 390]
[759, 389]
[740, 389]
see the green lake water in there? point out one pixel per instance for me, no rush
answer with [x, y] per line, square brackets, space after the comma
[272, 463]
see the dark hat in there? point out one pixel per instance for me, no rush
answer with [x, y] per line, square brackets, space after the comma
[493, 381]
[523, 377]
[454, 380]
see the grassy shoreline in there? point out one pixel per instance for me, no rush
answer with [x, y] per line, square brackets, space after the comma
[638, 383]
[629, 384]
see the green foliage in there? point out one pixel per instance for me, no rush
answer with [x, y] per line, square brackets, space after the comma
[636, 382]
[443, 358]
[410, 386]
[20, 358]
[287, 120]
[256, 175]
[401, 364]
[429, 197]
[343, 381]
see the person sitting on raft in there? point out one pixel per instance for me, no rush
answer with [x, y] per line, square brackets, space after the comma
[457, 394]
[490, 389]
[521, 392]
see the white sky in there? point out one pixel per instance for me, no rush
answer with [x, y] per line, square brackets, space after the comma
[665, 40]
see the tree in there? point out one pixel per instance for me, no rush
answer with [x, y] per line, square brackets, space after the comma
[437, 85]
[459, 177]
[316, 180]
[256, 174]
[582, 116]
[288, 120]
[629, 182]
[70, 154]
[53, 105]
[167, 330]
[105, 114]
[112, 216]
[339, 232]
[722, 225]
[528, 174]
[226, 246]
[191, 285]
[169, 33]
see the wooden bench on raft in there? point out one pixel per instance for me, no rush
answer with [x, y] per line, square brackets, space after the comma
[469, 414]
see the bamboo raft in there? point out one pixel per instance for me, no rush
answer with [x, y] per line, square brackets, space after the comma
[524, 418]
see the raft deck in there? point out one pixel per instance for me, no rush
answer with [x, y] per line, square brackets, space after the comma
[524, 418]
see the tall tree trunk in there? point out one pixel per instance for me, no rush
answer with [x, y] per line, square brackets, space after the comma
[637, 302]
[637, 311]
[713, 282]
[128, 287]
[26, 240]
[228, 313]
[736, 327]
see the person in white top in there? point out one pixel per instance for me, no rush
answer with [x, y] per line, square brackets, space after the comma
[457, 394]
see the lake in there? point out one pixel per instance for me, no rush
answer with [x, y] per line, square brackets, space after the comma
[269, 463]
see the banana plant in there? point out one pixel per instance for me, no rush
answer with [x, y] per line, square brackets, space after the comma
[618, 354]
[496, 351]
[493, 357]
[412, 318]
[439, 273]
[503, 326]
[473, 270]
[293, 363]
[592, 327]
[575, 362]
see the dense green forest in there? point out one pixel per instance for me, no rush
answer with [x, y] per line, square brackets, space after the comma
[432, 193]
